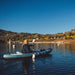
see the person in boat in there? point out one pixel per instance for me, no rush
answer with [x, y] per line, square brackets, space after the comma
[26, 47]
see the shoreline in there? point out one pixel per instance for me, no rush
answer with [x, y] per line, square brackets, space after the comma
[57, 41]
[48, 41]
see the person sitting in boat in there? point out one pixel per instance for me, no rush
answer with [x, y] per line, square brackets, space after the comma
[26, 47]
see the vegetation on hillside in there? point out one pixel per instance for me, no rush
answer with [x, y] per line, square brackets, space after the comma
[14, 36]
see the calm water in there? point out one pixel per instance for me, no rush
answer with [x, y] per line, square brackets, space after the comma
[61, 61]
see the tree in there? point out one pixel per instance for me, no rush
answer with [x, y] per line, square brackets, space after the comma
[46, 38]
[68, 37]
[73, 37]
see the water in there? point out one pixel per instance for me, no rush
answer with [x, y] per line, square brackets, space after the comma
[61, 61]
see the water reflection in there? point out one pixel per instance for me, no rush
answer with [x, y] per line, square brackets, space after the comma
[68, 47]
[61, 57]
[29, 66]
[26, 64]
[33, 60]
[5, 47]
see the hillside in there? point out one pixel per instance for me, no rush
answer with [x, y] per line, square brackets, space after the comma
[14, 36]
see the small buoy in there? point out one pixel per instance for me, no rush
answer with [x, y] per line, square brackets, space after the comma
[33, 60]
[33, 56]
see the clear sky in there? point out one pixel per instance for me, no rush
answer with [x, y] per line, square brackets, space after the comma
[37, 16]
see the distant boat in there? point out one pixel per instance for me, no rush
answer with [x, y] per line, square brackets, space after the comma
[21, 55]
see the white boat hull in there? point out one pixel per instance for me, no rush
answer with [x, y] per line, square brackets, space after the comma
[17, 55]
[21, 55]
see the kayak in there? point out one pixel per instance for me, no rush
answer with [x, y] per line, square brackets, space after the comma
[21, 55]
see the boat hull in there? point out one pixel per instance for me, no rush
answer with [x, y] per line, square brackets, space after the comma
[22, 55]
[9, 56]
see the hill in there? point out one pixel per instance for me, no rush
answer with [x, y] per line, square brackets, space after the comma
[14, 36]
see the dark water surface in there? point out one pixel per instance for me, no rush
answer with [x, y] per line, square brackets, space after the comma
[61, 61]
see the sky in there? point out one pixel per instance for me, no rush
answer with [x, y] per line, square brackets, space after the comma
[37, 16]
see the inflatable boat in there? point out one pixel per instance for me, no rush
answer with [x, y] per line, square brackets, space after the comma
[21, 55]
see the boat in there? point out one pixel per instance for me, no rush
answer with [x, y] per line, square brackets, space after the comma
[23, 55]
